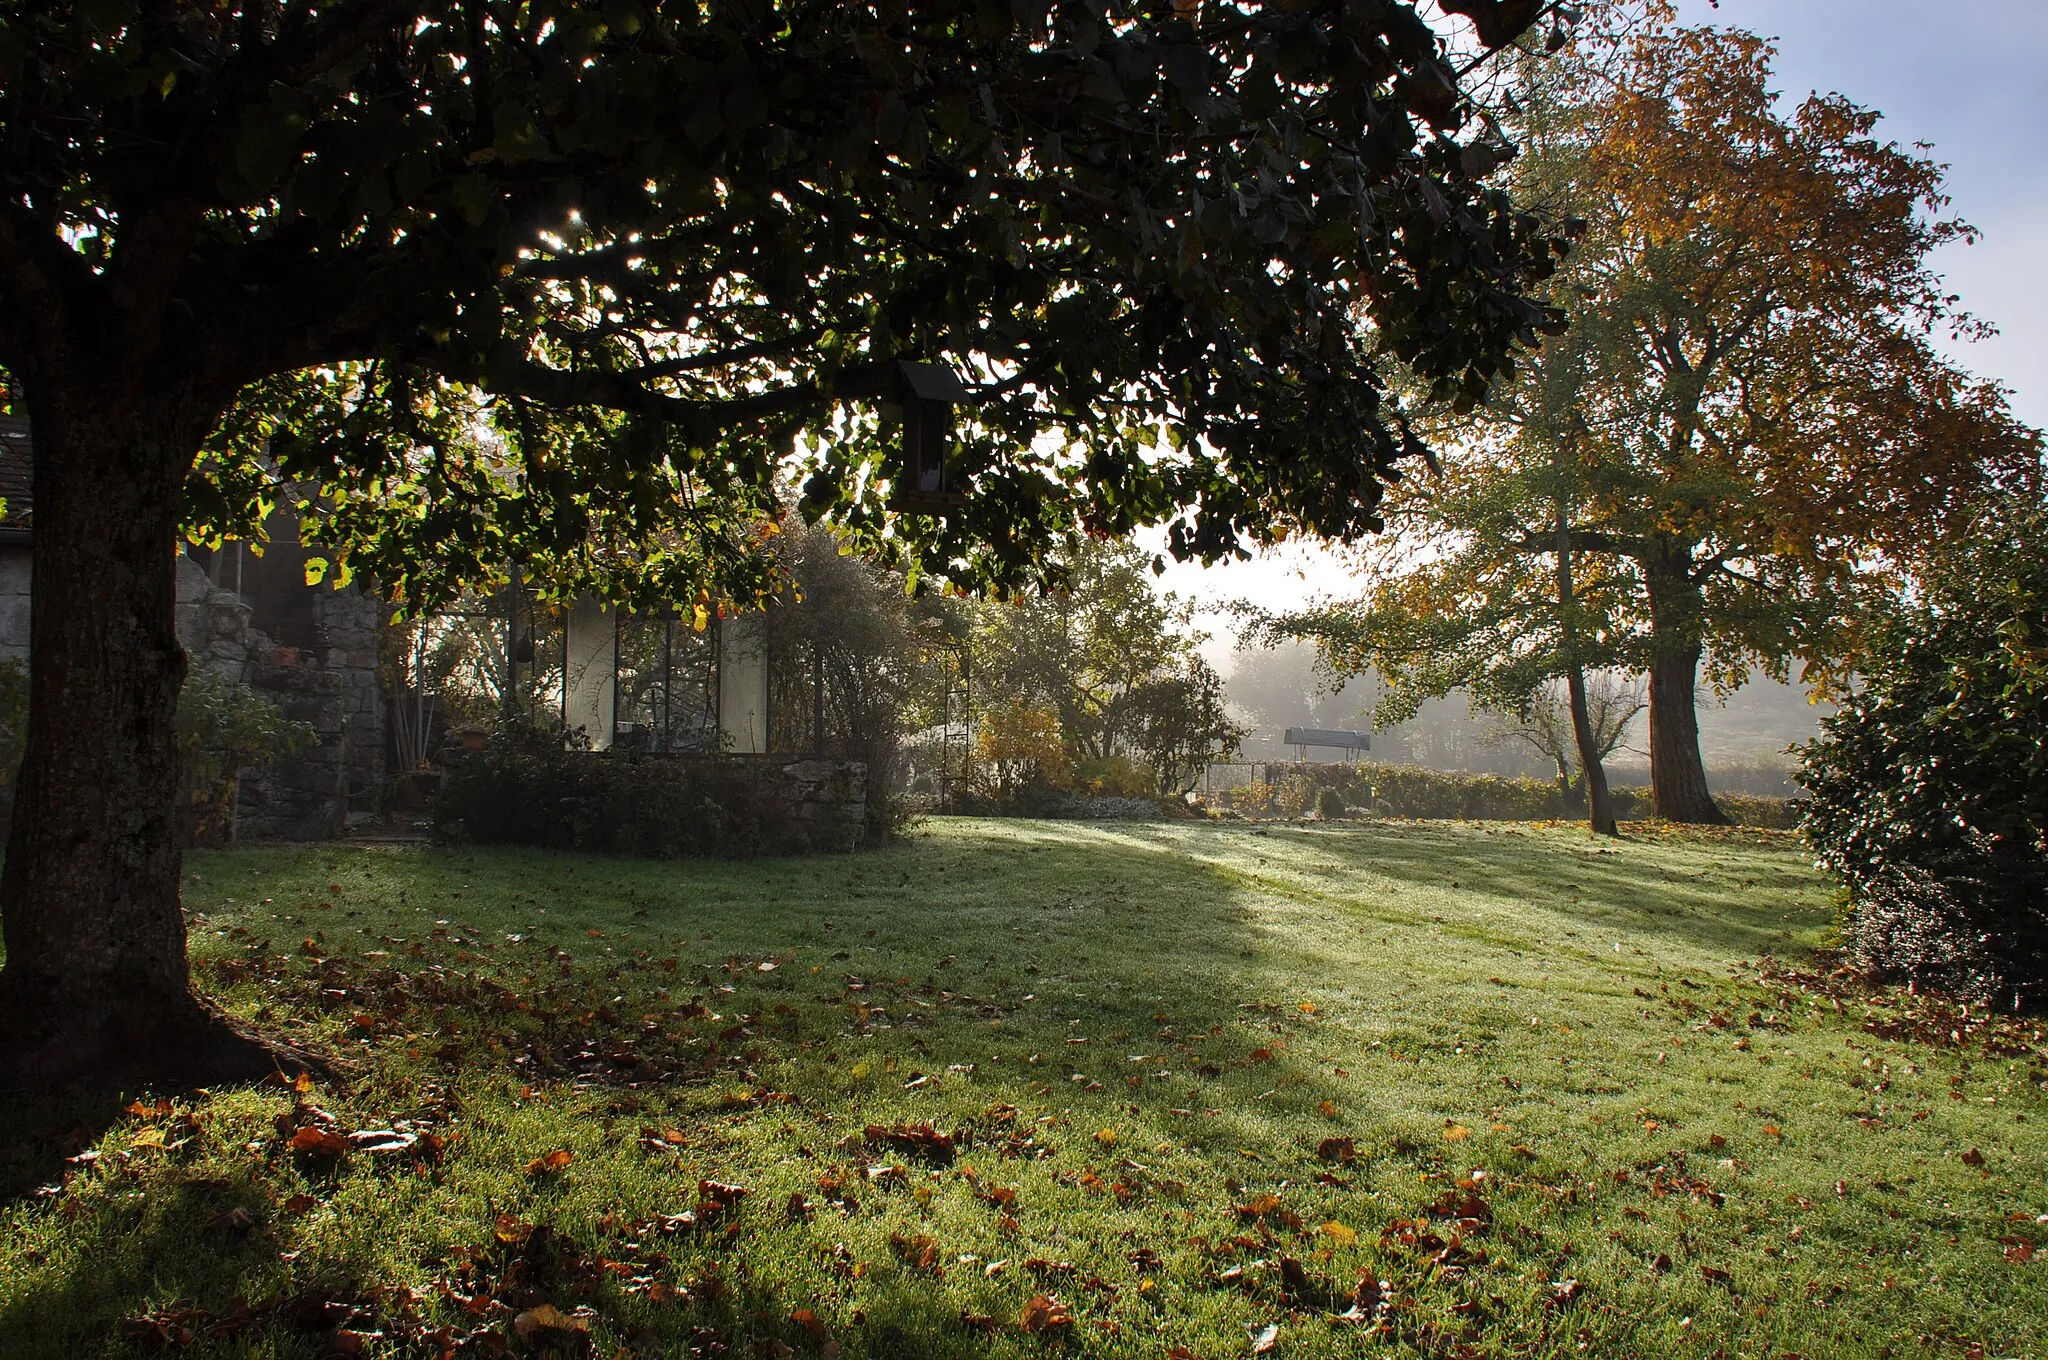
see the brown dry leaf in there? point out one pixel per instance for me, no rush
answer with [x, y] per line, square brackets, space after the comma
[1973, 1158]
[316, 1142]
[550, 1163]
[723, 1195]
[1264, 1339]
[511, 1231]
[814, 1328]
[1044, 1313]
[1456, 1133]
[1328, 1109]
[547, 1318]
[1337, 1150]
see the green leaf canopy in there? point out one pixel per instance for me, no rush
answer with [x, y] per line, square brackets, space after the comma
[589, 286]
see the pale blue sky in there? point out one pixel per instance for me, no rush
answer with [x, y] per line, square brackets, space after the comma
[1967, 76]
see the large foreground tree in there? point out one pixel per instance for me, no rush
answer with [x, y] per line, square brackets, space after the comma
[569, 285]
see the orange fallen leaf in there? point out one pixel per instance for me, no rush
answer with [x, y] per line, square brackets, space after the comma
[1044, 1313]
[549, 1163]
[1456, 1133]
[317, 1142]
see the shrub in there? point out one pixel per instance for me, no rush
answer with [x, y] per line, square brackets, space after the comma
[1928, 791]
[224, 728]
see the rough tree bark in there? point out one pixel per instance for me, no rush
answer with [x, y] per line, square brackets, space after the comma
[96, 983]
[1678, 777]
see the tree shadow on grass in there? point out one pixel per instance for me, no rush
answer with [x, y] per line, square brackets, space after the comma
[1627, 892]
[1025, 966]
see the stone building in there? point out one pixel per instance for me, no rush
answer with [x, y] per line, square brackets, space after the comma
[314, 651]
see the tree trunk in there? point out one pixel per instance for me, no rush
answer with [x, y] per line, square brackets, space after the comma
[1678, 777]
[1599, 806]
[96, 983]
[1599, 803]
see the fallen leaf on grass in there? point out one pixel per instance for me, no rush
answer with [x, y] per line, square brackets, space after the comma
[1337, 1150]
[317, 1142]
[1340, 1234]
[1456, 1133]
[1973, 1158]
[1263, 1339]
[547, 1318]
[914, 1140]
[1044, 1313]
[550, 1163]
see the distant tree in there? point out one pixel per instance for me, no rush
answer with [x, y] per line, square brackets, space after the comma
[1745, 431]
[845, 658]
[1020, 749]
[651, 251]
[1114, 660]
[1545, 724]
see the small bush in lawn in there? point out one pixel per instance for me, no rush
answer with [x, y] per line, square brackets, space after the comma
[1928, 791]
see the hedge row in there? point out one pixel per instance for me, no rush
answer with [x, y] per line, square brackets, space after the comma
[1416, 791]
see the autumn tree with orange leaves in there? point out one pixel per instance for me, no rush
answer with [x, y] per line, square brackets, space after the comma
[1746, 426]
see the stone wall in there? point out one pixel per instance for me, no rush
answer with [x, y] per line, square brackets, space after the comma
[828, 796]
[331, 686]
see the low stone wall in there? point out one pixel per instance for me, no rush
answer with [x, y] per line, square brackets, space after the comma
[532, 792]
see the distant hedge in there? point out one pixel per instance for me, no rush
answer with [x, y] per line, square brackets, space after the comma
[1415, 791]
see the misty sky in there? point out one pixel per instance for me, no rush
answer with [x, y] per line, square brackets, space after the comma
[1966, 76]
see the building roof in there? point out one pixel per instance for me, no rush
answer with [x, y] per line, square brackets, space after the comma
[17, 472]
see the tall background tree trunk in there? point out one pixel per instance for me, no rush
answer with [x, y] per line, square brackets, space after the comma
[1599, 803]
[1678, 777]
[1599, 806]
[96, 981]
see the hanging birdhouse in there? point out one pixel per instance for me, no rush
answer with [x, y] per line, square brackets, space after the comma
[922, 401]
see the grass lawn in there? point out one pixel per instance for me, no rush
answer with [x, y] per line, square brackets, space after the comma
[1015, 1088]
